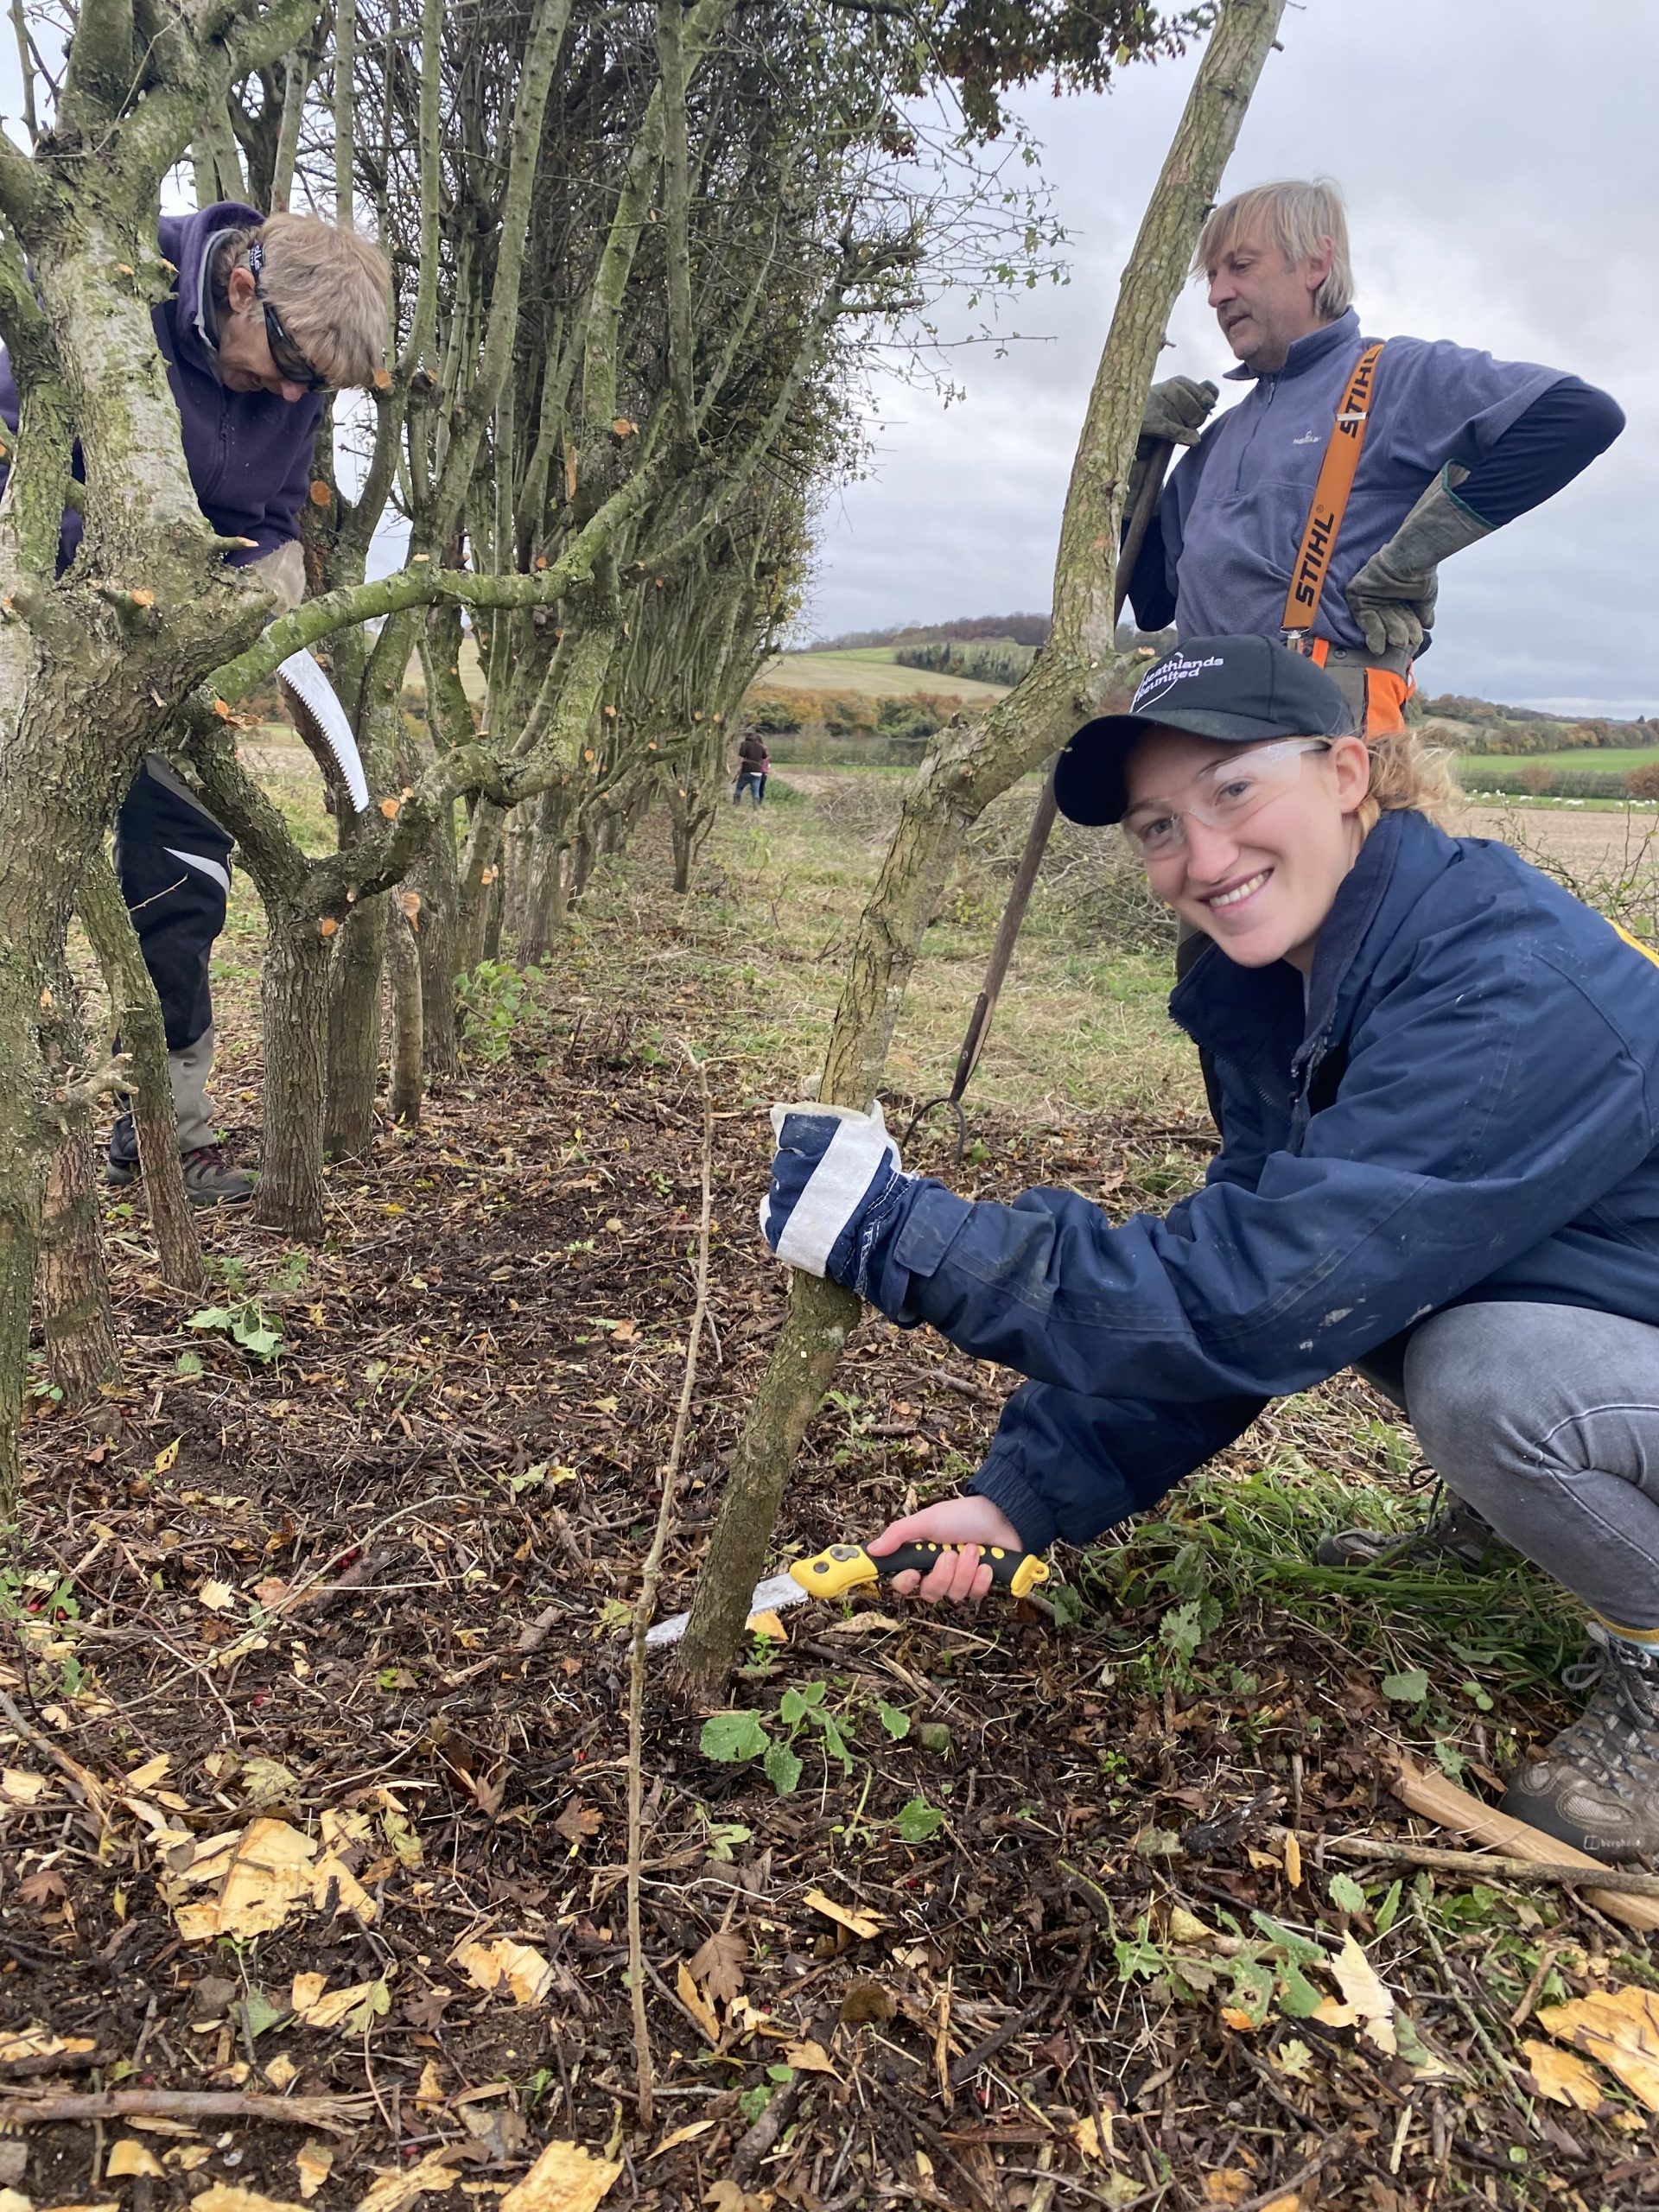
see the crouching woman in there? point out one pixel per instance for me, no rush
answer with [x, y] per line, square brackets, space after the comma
[1436, 1076]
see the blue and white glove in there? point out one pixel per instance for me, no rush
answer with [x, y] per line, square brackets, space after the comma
[834, 1182]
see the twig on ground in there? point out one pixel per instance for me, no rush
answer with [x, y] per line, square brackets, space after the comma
[339, 2115]
[1481, 1865]
[1281, 2190]
[86, 1784]
[642, 1613]
[1503, 2068]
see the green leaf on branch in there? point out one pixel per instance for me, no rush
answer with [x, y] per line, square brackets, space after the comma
[896, 1723]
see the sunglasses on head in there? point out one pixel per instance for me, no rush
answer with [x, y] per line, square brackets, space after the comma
[287, 359]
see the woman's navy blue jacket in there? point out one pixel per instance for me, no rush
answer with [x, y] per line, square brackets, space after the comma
[1466, 1108]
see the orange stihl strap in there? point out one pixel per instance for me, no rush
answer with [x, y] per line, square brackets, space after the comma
[1337, 474]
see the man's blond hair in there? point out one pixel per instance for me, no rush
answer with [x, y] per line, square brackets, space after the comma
[331, 290]
[1297, 217]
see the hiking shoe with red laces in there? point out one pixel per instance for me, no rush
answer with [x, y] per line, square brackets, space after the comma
[209, 1179]
[1597, 1786]
[1454, 1534]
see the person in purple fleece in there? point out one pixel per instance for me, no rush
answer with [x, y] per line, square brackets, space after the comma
[268, 315]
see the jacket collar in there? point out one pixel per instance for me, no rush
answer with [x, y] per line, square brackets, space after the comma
[1330, 337]
[1262, 1019]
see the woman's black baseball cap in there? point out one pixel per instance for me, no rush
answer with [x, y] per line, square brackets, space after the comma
[1237, 690]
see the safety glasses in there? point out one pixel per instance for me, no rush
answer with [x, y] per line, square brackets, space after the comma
[1222, 796]
[287, 359]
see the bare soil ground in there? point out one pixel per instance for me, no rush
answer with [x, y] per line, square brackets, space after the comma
[314, 1709]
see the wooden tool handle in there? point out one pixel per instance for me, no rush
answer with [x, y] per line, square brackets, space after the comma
[1438, 1799]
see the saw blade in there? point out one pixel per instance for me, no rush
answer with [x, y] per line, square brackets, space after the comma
[765, 1597]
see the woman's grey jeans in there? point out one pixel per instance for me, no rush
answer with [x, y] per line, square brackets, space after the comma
[1546, 1419]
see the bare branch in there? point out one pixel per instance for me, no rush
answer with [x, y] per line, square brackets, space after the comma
[676, 209]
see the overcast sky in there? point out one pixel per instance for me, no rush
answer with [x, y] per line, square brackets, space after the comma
[1499, 161]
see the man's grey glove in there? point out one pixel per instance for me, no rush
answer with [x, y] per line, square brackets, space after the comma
[1176, 410]
[1392, 597]
[282, 573]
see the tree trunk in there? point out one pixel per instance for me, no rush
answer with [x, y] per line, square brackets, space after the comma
[969, 769]
[354, 1031]
[480, 868]
[143, 1036]
[76, 1317]
[407, 1043]
[436, 940]
[81, 1352]
[294, 995]
[543, 908]
[495, 907]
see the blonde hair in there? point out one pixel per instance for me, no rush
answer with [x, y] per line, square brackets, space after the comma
[1298, 216]
[1407, 773]
[331, 292]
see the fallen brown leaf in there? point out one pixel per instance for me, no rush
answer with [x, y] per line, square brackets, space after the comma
[861, 1923]
[316, 2161]
[522, 1972]
[40, 2042]
[576, 1823]
[809, 2058]
[1226, 2185]
[688, 2134]
[695, 2002]
[1562, 2077]
[1618, 2026]
[718, 1966]
[128, 2157]
[564, 2178]
[393, 2190]
[221, 2197]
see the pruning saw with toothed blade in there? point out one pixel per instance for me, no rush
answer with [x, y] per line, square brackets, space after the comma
[842, 1567]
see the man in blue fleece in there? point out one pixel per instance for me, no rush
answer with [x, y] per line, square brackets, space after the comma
[267, 316]
[1456, 444]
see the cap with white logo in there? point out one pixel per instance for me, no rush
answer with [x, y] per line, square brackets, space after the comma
[1235, 691]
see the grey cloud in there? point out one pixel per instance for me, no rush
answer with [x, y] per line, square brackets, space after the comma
[1499, 160]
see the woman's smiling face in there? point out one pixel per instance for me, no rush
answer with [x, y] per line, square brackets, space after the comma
[1260, 886]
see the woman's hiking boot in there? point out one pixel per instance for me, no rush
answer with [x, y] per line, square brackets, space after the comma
[1454, 1534]
[1597, 1786]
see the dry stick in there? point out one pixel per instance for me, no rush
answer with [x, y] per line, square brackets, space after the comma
[643, 1610]
[1483, 1866]
[338, 2114]
[1066, 683]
